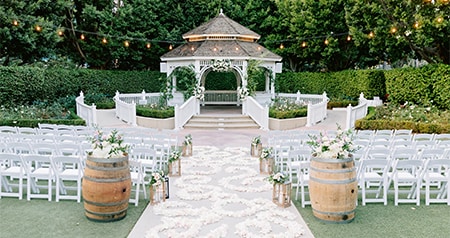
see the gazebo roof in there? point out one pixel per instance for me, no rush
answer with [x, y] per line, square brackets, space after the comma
[220, 26]
[221, 37]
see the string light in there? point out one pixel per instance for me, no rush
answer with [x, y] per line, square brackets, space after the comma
[192, 48]
[281, 46]
[38, 28]
[170, 47]
[104, 40]
[416, 25]
[15, 23]
[60, 33]
[326, 42]
[259, 48]
[237, 48]
[349, 38]
[148, 45]
[440, 19]
[371, 35]
[82, 37]
[304, 44]
[393, 30]
[215, 49]
[126, 43]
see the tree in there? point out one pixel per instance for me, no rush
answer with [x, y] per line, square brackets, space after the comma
[28, 30]
[401, 30]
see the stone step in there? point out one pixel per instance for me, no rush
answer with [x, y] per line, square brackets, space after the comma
[221, 122]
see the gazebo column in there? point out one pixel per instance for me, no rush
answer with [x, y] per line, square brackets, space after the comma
[244, 73]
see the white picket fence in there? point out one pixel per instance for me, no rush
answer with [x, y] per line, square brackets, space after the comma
[257, 112]
[125, 111]
[184, 112]
[88, 113]
[360, 111]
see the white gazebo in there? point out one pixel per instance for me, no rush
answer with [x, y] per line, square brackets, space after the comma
[222, 42]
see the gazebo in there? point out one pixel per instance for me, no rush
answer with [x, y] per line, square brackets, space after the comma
[222, 44]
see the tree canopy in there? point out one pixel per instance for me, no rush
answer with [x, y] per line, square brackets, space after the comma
[310, 35]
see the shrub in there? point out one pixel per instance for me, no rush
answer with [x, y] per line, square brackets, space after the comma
[282, 108]
[154, 111]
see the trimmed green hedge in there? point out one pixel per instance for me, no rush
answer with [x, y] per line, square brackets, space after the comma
[346, 84]
[73, 120]
[302, 112]
[24, 85]
[155, 112]
[416, 127]
[420, 85]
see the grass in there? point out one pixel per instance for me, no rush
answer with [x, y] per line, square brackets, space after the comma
[377, 220]
[41, 218]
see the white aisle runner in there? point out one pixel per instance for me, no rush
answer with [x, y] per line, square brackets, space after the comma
[220, 194]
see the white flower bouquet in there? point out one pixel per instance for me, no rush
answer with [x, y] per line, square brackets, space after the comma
[278, 178]
[187, 139]
[221, 65]
[157, 178]
[256, 140]
[339, 147]
[174, 156]
[199, 92]
[242, 93]
[266, 153]
[108, 146]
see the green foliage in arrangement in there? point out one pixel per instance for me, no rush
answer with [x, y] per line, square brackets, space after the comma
[24, 85]
[430, 83]
[154, 111]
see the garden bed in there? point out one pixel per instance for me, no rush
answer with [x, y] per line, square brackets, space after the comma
[286, 124]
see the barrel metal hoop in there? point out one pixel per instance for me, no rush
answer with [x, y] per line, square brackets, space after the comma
[105, 213]
[334, 171]
[106, 168]
[324, 181]
[106, 180]
[102, 204]
[335, 213]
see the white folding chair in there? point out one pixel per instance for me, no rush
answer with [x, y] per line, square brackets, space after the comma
[374, 179]
[303, 183]
[35, 171]
[147, 157]
[437, 174]
[407, 173]
[11, 168]
[67, 168]
[137, 180]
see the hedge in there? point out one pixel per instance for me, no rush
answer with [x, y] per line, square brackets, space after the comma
[347, 85]
[24, 85]
[74, 120]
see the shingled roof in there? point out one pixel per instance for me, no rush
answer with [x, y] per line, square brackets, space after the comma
[221, 37]
[221, 25]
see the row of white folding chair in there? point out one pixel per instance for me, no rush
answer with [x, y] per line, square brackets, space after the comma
[138, 181]
[43, 138]
[26, 166]
[379, 173]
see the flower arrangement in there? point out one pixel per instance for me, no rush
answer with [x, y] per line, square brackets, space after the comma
[339, 147]
[243, 93]
[221, 65]
[108, 146]
[266, 153]
[157, 178]
[278, 178]
[174, 156]
[256, 140]
[199, 92]
[187, 139]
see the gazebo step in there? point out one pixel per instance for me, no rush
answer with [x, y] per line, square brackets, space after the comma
[221, 122]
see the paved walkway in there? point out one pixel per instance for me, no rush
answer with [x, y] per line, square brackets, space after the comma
[221, 139]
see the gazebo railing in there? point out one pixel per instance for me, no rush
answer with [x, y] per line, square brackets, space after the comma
[221, 97]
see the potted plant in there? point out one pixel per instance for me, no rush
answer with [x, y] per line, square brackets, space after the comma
[106, 184]
[281, 189]
[256, 147]
[333, 186]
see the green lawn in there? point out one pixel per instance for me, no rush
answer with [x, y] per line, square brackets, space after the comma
[377, 220]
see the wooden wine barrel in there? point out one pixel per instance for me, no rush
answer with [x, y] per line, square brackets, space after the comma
[333, 189]
[106, 188]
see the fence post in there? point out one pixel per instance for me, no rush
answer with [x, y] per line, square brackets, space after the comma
[176, 116]
[94, 115]
[309, 115]
[133, 114]
[297, 100]
[349, 118]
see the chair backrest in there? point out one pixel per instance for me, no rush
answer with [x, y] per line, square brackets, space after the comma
[427, 154]
[20, 147]
[36, 161]
[68, 149]
[404, 153]
[8, 160]
[61, 163]
[27, 130]
[379, 153]
[375, 165]
[423, 137]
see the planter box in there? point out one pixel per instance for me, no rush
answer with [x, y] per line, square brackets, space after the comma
[167, 123]
[286, 124]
